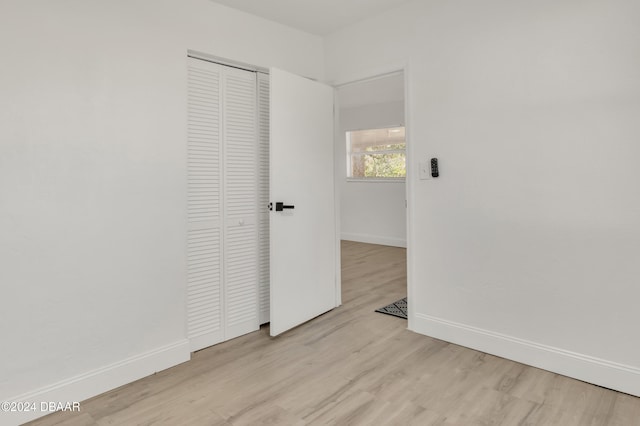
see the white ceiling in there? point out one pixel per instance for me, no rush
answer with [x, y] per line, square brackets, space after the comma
[319, 17]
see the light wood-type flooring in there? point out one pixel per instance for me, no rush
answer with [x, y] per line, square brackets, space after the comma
[354, 366]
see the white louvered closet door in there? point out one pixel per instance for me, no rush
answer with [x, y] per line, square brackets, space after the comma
[222, 241]
[240, 196]
[263, 196]
[205, 322]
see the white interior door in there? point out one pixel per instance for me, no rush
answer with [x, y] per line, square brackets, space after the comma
[303, 239]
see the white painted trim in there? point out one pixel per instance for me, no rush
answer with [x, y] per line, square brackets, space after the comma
[102, 379]
[409, 190]
[386, 126]
[226, 62]
[374, 239]
[336, 199]
[375, 180]
[601, 372]
[371, 74]
[398, 71]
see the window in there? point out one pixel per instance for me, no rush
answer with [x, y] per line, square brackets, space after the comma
[377, 154]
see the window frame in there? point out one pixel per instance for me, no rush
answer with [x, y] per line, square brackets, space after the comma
[350, 154]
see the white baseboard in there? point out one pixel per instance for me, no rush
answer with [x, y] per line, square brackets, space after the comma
[374, 239]
[612, 375]
[103, 379]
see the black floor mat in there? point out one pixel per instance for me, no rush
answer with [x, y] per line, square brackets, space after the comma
[397, 309]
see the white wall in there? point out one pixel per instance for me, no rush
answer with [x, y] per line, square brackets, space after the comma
[372, 212]
[527, 246]
[92, 182]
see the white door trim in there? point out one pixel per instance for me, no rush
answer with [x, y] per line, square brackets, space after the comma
[226, 62]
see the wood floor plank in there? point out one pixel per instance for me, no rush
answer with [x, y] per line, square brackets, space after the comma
[354, 366]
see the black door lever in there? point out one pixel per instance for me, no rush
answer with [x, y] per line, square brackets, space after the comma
[281, 206]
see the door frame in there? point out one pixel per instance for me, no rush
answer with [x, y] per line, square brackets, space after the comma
[404, 68]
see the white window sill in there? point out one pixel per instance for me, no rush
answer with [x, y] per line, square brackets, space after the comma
[377, 180]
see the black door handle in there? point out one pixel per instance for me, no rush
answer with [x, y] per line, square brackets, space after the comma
[281, 206]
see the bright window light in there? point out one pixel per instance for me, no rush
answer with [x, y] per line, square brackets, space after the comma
[376, 154]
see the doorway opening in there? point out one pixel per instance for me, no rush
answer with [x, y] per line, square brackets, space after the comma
[371, 164]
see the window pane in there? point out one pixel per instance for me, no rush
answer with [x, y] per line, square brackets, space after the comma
[379, 165]
[370, 156]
